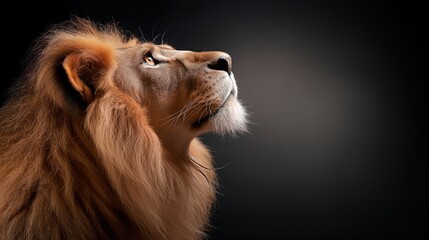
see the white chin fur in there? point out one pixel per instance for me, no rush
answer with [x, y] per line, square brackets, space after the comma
[231, 119]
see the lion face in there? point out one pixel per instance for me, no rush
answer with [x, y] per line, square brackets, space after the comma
[186, 93]
[183, 93]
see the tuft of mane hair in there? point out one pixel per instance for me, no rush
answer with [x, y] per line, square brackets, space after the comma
[101, 173]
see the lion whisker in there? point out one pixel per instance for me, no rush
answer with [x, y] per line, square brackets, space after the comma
[179, 112]
[174, 118]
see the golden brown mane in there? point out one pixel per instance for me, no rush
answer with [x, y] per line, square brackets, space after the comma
[97, 173]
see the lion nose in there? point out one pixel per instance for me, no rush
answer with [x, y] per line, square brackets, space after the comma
[222, 63]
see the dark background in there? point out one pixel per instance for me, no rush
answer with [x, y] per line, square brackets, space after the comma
[335, 95]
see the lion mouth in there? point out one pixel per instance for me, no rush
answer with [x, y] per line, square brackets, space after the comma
[203, 120]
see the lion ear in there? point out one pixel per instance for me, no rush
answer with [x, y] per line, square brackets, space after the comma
[78, 75]
[85, 69]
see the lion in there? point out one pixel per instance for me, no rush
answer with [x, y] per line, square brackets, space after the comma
[99, 139]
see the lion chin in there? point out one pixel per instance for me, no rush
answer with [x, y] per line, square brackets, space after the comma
[99, 138]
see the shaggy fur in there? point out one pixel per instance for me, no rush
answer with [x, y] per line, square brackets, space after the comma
[80, 157]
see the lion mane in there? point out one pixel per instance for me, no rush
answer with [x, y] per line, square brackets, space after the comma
[88, 164]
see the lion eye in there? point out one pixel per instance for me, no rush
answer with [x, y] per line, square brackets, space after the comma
[150, 60]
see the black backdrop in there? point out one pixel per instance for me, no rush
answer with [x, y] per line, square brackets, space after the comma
[333, 89]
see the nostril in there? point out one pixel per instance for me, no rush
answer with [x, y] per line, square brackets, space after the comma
[221, 64]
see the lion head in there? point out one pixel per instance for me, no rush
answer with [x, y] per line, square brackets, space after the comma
[99, 138]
